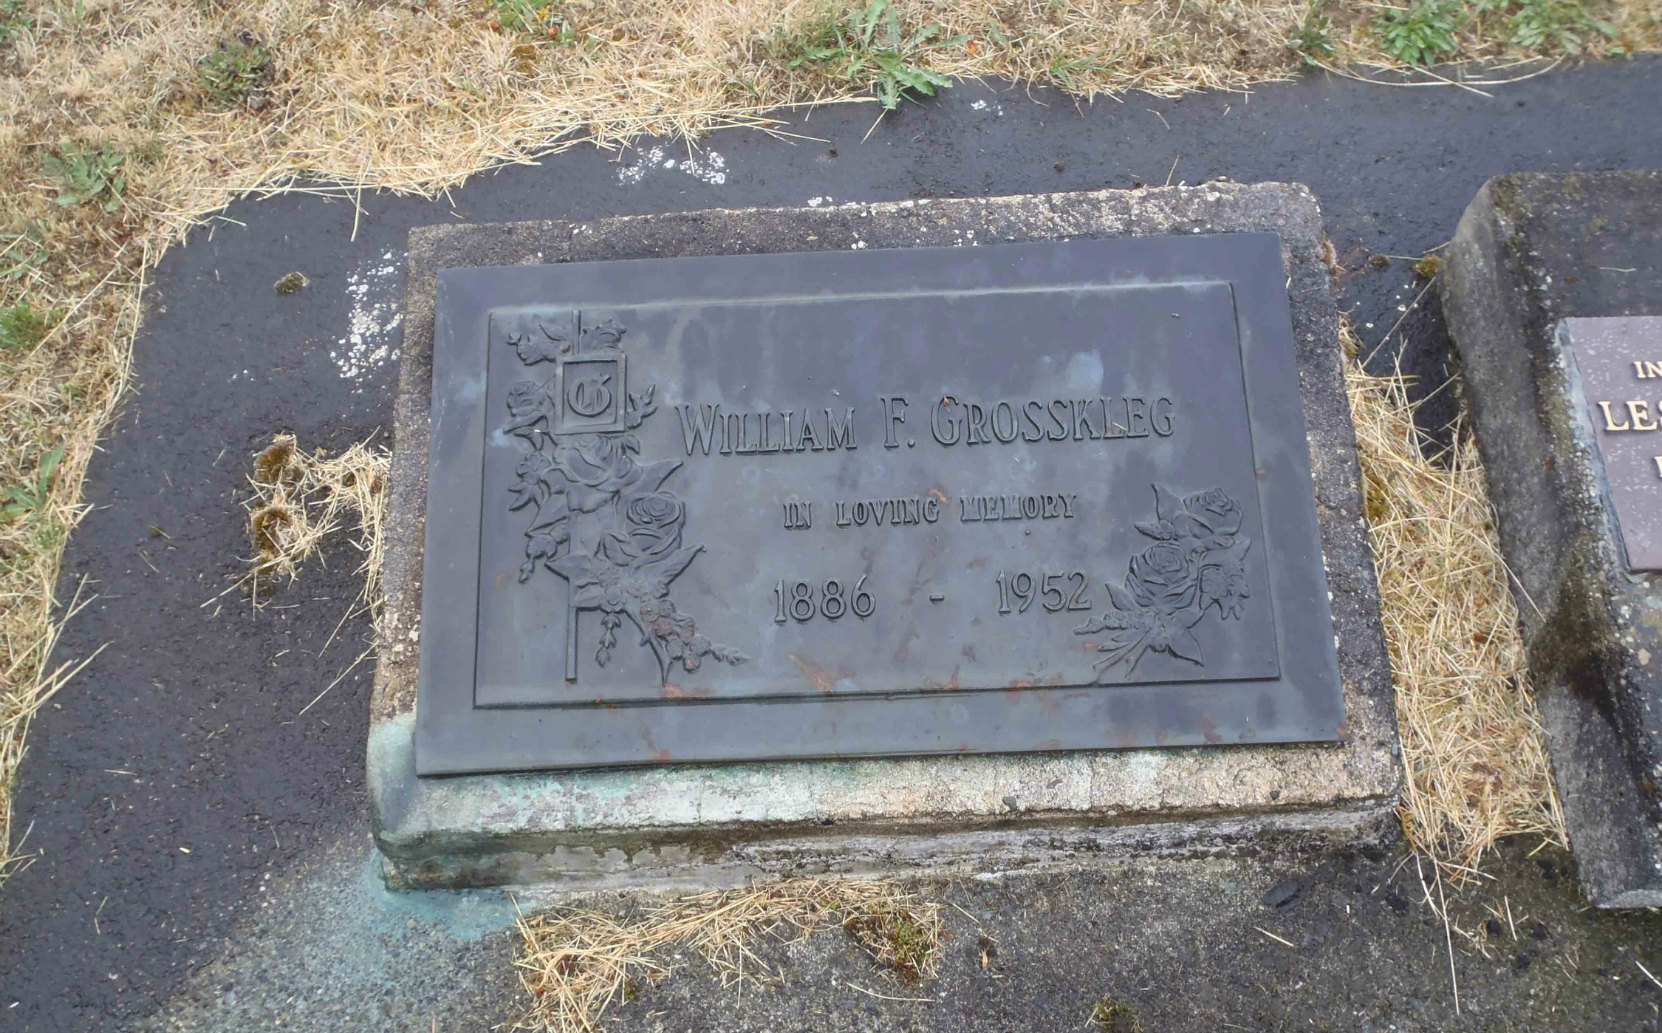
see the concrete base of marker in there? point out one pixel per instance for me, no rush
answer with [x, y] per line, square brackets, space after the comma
[676, 825]
[1532, 251]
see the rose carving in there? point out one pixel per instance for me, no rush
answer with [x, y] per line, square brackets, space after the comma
[603, 520]
[1161, 578]
[596, 469]
[654, 523]
[1196, 565]
[1214, 510]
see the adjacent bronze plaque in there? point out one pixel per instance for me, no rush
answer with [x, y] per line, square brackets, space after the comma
[1618, 360]
[1022, 497]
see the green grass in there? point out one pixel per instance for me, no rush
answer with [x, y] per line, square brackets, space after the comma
[235, 72]
[867, 45]
[1072, 73]
[88, 177]
[1314, 42]
[1557, 25]
[22, 326]
[1427, 31]
[31, 498]
[14, 21]
[22, 255]
[1422, 33]
[534, 18]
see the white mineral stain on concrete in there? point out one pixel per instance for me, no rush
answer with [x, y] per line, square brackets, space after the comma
[371, 339]
[331, 906]
[710, 167]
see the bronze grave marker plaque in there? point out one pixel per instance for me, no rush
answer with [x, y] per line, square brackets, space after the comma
[1018, 497]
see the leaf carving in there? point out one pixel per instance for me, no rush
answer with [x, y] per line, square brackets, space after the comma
[1158, 531]
[607, 334]
[653, 475]
[680, 561]
[1186, 646]
[1167, 505]
[532, 351]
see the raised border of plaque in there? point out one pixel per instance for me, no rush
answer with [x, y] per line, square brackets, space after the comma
[1616, 359]
[673, 823]
[1288, 694]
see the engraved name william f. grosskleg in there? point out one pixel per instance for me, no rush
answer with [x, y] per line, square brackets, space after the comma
[601, 518]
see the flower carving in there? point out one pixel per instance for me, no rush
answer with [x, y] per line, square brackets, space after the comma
[601, 518]
[1196, 565]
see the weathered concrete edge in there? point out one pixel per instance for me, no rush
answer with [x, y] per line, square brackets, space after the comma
[441, 831]
[1556, 533]
[732, 848]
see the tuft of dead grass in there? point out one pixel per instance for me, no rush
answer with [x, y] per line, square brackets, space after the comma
[20, 700]
[303, 499]
[1114, 1015]
[576, 964]
[1472, 742]
[49, 401]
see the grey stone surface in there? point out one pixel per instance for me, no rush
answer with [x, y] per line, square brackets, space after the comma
[717, 823]
[1532, 251]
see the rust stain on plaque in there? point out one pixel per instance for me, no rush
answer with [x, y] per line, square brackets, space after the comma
[951, 685]
[819, 677]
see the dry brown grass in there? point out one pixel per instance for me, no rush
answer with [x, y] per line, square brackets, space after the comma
[1471, 735]
[416, 97]
[301, 500]
[575, 964]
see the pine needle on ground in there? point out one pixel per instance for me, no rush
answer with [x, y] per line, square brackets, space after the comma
[576, 964]
[1472, 742]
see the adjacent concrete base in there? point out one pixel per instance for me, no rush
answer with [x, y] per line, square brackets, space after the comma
[680, 823]
[1532, 250]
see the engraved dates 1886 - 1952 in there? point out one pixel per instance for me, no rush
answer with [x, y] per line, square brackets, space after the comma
[601, 518]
